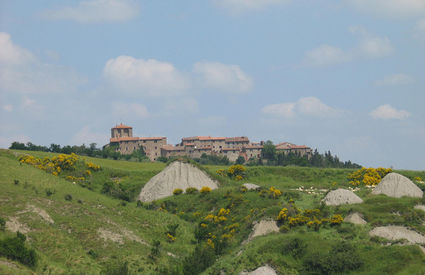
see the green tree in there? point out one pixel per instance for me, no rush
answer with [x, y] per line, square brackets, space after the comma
[269, 150]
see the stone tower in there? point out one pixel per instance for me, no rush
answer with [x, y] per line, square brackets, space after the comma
[121, 131]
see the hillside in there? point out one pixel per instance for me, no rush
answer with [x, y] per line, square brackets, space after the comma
[96, 232]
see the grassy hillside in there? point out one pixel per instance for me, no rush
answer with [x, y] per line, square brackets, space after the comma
[94, 233]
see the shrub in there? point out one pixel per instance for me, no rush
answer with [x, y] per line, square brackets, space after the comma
[50, 192]
[16, 182]
[368, 176]
[284, 229]
[205, 190]
[15, 249]
[172, 229]
[2, 224]
[155, 252]
[139, 203]
[296, 247]
[68, 197]
[177, 191]
[92, 253]
[191, 190]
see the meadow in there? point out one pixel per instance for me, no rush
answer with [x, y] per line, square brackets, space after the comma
[94, 230]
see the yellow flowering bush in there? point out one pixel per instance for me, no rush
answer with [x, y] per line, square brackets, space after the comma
[283, 215]
[177, 191]
[237, 172]
[275, 193]
[171, 238]
[368, 176]
[336, 219]
[59, 164]
[205, 190]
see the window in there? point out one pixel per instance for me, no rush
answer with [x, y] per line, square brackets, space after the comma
[156, 147]
[155, 141]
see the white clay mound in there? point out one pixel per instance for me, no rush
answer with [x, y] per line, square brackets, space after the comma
[394, 233]
[397, 186]
[263, 270]
[176, 175]
[341, 196]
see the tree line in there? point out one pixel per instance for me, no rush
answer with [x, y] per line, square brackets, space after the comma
[91, 150]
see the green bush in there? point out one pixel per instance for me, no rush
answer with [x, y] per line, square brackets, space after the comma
[68, 197]
[177, 191]
[2, 224]
[191, 190]
[15, 249]
[50, 192]
[16, 182]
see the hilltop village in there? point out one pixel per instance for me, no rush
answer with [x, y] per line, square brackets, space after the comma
[195, 147]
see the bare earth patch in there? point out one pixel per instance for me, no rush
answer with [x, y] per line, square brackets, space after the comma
[176, 175]
[341, 196]
[396, 186]
[263, 227]
[14, 225]
[355, 218]
[40, 212]
[107, 235]
[263, 270]
[394, 233]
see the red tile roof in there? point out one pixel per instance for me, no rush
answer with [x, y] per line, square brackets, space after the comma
[135, 139]
[203, 138]
[253, 146]
[287, 145]
[237, 139]
[122, 126]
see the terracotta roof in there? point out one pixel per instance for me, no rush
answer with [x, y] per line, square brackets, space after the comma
[190, 144]
[169, 147]
[151, 138]
[123, 139]
[203, 138]
[237, 139]
[122, 126]
[287, 145]
[135, 139]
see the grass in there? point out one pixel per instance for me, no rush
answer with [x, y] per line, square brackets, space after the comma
[73, 243]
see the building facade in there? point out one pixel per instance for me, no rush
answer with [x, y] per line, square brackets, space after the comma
[195, 147]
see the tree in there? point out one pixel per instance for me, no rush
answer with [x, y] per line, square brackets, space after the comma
[269, 150]
[240, 160]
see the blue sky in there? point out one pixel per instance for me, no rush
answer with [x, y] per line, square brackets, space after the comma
[345, 76]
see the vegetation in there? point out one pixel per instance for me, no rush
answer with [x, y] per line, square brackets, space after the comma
[198, 232]
[14, 248]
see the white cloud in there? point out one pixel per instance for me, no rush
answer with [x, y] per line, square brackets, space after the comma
[223, 77]
[128, 111]
[286, 110]
[388, 112]
[307, 106]
[241, 6]
[369, 46]
[86, 136]
[11, 54]
[144, 77]
[394, 80]
[326, 55]
[392, 8]
[95, 11]
[22, 72]
[312, 106]
[376, 47]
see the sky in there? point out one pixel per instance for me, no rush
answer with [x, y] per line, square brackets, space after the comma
[346, 76]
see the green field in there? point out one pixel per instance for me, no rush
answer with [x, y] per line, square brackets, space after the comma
[96, 233]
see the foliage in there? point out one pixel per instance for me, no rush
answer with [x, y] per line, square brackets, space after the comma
[177, 191]
[68, 197]
[14, 248]
[237, 172]
[368, 176]
[205, 190]
[116, 268]
[269, 151]
[2, 224]
[191, 190]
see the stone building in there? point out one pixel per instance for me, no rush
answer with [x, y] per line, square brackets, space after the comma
[122, 136]
[287, 148]
[195, 147]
